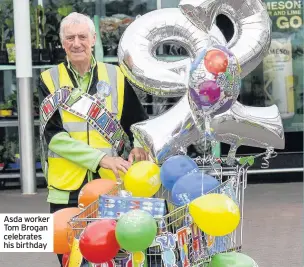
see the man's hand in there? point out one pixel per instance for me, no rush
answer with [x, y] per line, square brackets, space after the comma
[115, 164]
[138, 154]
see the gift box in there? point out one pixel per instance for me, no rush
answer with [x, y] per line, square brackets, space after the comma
[115, 206]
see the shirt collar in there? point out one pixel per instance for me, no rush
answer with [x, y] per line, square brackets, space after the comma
[93, 64]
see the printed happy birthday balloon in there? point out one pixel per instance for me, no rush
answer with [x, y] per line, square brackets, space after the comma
[214, 82]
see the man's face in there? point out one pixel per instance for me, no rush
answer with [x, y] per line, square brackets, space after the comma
[78, 42]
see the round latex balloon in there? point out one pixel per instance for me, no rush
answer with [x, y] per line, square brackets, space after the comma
[92, 190]
[215, 214]
[143, 179]
[234, 259]
[98, 243]
[136, 230]
[174, 168]
[192, 186]
[62, 229]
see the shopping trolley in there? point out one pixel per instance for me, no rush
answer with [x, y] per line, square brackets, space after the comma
[179, 241]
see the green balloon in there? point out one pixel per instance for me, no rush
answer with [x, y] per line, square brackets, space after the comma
[232, 259]
[135, 230]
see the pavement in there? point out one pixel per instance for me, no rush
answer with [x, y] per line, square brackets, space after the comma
[272, 233]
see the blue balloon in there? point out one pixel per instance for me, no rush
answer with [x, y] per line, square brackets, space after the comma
[192, 186]
[175, 168]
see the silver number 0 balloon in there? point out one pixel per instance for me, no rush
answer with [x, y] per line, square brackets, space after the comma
[192, 26]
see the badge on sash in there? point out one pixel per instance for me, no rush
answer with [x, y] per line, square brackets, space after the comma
[103, 89]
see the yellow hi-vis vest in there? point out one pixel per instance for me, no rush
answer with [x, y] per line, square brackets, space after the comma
[61, 173]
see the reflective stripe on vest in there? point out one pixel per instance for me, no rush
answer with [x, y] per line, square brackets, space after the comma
[64, 174]
[52, 154]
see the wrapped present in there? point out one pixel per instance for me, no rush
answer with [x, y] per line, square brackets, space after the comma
[114, 206]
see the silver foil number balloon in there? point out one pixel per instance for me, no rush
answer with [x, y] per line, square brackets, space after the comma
[168, 133]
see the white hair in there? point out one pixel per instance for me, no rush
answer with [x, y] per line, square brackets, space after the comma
[76, 18]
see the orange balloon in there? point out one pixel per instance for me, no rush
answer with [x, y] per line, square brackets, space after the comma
[62, 229]
[92, 190]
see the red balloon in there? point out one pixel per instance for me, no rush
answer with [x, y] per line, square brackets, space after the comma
[98, 242]
[216, 61]
[65, 259]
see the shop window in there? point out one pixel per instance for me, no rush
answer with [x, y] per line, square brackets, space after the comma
[279, 78]
[116, 16]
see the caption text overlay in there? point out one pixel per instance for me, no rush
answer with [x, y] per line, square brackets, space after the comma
[26, 232]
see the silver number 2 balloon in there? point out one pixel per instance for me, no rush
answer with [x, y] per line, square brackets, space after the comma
[192, 26]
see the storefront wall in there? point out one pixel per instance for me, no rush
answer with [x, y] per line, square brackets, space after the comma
[277, 80]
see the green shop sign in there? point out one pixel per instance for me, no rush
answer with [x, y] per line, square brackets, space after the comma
[285, 15]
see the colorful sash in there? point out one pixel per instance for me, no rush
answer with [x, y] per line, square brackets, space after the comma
[88, 107]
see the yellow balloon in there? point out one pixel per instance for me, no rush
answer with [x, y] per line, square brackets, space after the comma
[109, 174]
[143, 179]
[215, 214]
[138, 257]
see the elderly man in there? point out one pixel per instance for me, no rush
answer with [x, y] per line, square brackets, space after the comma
[87, 108]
